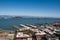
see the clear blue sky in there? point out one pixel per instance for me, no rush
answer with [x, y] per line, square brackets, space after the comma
[42, 8]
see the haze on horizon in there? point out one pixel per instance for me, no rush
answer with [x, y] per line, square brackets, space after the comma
[39, 8]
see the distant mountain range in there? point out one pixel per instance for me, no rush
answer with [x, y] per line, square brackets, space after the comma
[17, 17]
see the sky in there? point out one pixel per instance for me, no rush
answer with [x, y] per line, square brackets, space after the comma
[39, 8]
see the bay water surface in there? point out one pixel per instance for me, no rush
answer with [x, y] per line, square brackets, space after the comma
[7, 24]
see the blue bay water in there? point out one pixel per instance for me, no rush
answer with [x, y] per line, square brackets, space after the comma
[6, 24]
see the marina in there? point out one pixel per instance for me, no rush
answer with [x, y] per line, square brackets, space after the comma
[48, 32]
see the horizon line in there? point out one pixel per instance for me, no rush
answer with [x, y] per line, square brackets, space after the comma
[32, 16]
